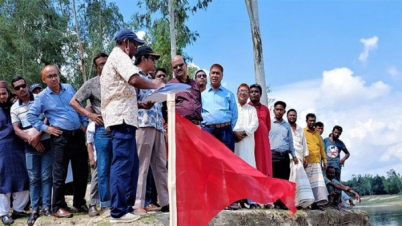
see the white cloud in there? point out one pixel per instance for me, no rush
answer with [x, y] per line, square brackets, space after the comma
[368, 113]
[141, 34]
[368, 45]
[394, 72]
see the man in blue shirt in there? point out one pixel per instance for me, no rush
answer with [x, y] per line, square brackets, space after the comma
[333, 147]
[281, 139]
[219, 112]
[219, 109]
[67, 130]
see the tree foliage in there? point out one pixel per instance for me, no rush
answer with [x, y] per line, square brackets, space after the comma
[376, 185]
[154, 19]
[30, 37]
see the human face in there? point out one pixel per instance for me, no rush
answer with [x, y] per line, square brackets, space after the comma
[310, 123]
[3, 95]
[100, 62]
[255, 95]
[279, 111]
[132, 46]
[160, 75]
[320, 129]
[242, 95]
[292, 117]
[149, 63]
[201, 78]
[331, 173]
[20, 89]
[179, 68]
[37, 90]
[336, 134]
[52, 77]
[215, 76]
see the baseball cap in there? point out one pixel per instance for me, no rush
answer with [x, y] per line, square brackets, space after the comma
[34, 86]
[146, 50]
[126, 33]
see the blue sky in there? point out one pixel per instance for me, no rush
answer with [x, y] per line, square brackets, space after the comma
[315, 60]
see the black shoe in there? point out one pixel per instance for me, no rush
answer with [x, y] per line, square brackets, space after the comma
[165, 208]
[255, 206]
[47, 213]
[7, 220]
[32, 218]
[16, 215]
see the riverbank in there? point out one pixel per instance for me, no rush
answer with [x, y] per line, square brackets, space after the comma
[376, 200]
[228, 218]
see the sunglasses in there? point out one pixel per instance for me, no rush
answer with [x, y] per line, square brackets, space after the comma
[161, 75]
[201, 76]
[179, 65]
[23, 86]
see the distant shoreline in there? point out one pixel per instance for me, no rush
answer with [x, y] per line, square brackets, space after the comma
[379, 200]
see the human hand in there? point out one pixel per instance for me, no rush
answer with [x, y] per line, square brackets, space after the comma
[39, 147]
[305, 163]
[295, 160]
[97, 119]
[238, 136]
[342, 162]
[92, 162]
[34, 140]
[53, 131]
[325, 166]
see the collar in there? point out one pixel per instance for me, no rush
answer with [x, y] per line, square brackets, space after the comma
[49, 91]
[187, 82]
[31, 98]
[283, 121]
[219, 88]
[306, 129]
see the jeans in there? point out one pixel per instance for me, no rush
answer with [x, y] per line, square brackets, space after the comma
[103, 145]
[39, 167]
[224, 135]
[124, 168]
[69, 145]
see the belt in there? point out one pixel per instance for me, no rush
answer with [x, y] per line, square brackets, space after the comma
[217, 126]
[280, 153]
[70, 132]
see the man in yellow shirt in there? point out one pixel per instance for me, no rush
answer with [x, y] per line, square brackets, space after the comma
[316, 155]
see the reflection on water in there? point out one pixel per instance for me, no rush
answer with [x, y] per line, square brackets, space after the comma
[384, 215]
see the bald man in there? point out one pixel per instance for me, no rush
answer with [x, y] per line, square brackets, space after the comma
[67, 133]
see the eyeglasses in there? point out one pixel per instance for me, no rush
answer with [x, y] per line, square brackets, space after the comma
[20, 86]
[243, 91]
[152, 58]
[161, 75]
[201, 76]
[52, 76]
[179, 65]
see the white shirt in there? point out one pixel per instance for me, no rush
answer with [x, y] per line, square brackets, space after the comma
[247, 121]
[299, 142]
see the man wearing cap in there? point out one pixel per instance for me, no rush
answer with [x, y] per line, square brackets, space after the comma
[188, 104]
[201, 79]
[91, 90]
[67, 130]
[150, 139]
[35, 88]
[120, 116]
[14, 178]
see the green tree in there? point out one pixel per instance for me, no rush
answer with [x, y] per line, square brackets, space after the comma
[154, 19]
[30, 37]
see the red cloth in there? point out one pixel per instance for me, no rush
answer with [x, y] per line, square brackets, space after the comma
[209, 177]
[263, 154]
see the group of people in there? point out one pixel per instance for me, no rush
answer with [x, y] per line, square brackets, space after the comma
[123, 138]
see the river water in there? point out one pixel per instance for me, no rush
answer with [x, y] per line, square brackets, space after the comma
[384, 215]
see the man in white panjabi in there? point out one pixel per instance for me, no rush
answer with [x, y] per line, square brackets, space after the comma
[246, 125]
[304, 193]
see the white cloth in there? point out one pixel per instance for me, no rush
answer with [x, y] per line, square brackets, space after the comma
[304, 193]
[91, 137]
[247, 121]
[20, 201]
[300, 144]
[345, 197]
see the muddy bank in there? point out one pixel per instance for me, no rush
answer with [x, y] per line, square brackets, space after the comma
[228, 218]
